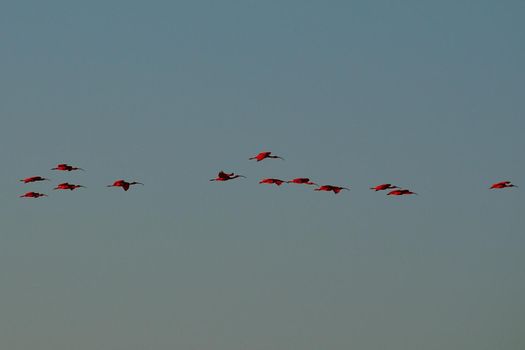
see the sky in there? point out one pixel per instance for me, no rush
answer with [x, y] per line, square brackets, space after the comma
[422, 94]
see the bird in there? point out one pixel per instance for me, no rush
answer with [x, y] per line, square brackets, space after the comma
[272, 181]
[66, 167]
[67, 186]
[33, 179]
[328, 188]
[302, 180]
[264, 155]
[502, 184]
[33, 195]
[222, 176]
[384, 187]
[400, 192]
[124, 184]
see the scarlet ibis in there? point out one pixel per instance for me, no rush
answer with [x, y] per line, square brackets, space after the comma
[502, 184]
[302, 180]
[124, 184]
[383, 187]
[328, 188]
[67, 186]
[33, 195]
[272, 181]
[66, 167]
[399, 193]
[264, 155]
[33, 179]
[222, 176]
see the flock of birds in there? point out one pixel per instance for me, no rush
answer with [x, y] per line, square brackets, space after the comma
[395, 190]
[223, 176]
[66, 185]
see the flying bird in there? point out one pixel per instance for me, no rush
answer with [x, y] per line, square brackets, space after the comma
[302, 180]
[222, 176]
[383, 187]
[66, 167]
[67, 186]
[272, 181]
[399, 192]
[33, 195]
[502, 184]
[264, 155]
[328, 188]
[124, 184]
[33, 179]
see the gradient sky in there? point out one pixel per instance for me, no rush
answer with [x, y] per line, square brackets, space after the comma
[424, 94]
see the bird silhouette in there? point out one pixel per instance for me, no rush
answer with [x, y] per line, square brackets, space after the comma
[66, 167]
[272, 181]
[383, 187]
[33, 179]
[328, 188]
[264, 155]
[400, 192]
[302, 180]
[124, 184]
[502, 184]
[222, 176]
[67, 186]
[33, 195]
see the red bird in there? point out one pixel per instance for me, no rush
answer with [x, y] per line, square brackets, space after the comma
[33, 179]
[383, 187]
[124, 184]
[272, 181]
[33, 195]
[65, 167]
[222, 176]
[399, 193]
[67, 186]
[302, 180]
[502, 184]
[264, 155]
[328, 188]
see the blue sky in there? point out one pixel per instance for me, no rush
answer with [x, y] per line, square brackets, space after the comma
[427, 95]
